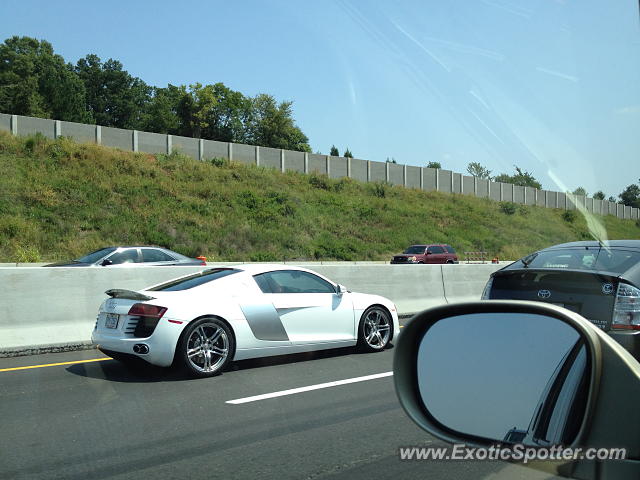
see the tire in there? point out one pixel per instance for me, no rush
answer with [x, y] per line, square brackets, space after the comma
[206, 347]
[375, 330]
[450, 262]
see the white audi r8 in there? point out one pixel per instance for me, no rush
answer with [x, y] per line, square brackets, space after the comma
[204, 320]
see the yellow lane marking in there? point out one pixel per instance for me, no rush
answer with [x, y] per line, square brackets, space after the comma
[54, 364]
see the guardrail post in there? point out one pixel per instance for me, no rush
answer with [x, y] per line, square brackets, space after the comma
[349, 167]
[282, 160]
[328, 161]
[404, 175]
[368, 170]
[14, 125]
[230, 151]
[169, 144]
[98, 135]
[257, 156]
[437, 180]
[386, 172]
[57, 129]
[135, 140]
[421, 178]
[200, 149]
[306, 162]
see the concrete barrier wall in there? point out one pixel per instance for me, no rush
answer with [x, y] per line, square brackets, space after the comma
[336, 167]
[48, 308]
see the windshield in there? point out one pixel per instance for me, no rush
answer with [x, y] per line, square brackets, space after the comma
[326, 136]
[416, 249]
[97, 255]
[612, 260]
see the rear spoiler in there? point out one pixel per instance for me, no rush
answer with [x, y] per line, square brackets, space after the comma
[129, 294]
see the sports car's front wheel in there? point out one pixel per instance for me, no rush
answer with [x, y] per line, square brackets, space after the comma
[375, 330]
[206, 347]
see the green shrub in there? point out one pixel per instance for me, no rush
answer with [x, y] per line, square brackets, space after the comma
[569, 216]
[319, 181]
[508, 208]
[380, 189]
[219, 162]
[26, 254]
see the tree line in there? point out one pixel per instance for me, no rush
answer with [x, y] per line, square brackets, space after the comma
[35, 81]
[630, 196]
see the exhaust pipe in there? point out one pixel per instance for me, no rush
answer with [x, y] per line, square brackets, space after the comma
[141, 348]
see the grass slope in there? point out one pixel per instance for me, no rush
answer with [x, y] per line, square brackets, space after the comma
[60, 199]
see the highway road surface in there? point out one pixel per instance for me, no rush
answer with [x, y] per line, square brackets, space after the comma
[77, 415]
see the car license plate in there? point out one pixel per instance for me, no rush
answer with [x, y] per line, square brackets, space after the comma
[112, 320]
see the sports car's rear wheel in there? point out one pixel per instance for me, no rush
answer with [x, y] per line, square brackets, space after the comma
[375, 330]
[206, 347]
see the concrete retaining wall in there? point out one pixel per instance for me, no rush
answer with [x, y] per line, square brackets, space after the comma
[48, 308]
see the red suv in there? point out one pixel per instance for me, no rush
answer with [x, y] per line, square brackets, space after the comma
[436, 253]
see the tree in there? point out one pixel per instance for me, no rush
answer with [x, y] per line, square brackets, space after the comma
[347, 153]
[434, 165]
[475, 169]
[392, 160]
[630, 196]
[114, 97]
[35, 81]
[161, 114]
[599, 195]
[612, 199]
[524, 179]
[334, 151]
[271, 125]
[580, 191]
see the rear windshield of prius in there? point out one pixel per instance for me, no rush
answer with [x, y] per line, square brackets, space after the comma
[194, 280]
[415, 249]
[592, 258]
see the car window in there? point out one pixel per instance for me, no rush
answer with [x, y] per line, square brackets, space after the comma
[185, 283]
[449, 249]
[155, 255]
[597, 259]
[292, 281]
[436, 249]
[129, 255]
[97, 255]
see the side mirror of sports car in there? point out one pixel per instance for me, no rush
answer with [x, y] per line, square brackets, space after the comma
[340, 289]
[106, 263]
[523, 376]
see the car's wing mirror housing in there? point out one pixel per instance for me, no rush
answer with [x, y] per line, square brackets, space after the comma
[526, 373]
[340, 289]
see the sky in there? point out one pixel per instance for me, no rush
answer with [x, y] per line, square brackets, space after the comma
[551, 86]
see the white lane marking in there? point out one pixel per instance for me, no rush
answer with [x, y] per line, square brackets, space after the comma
[293, 391]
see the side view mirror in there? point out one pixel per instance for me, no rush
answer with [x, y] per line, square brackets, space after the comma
[340, 289]
[106, 262]
[523, 374]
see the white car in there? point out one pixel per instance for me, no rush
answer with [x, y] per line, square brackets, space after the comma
[204, 320]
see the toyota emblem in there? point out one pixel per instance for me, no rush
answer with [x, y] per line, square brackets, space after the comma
[544, 293]
[607, 288]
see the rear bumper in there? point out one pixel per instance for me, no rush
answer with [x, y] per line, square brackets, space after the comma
[629, 339]
[161, 344]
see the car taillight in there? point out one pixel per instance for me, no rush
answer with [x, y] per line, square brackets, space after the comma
[626, 310]
[486, 293]
[145, 310]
